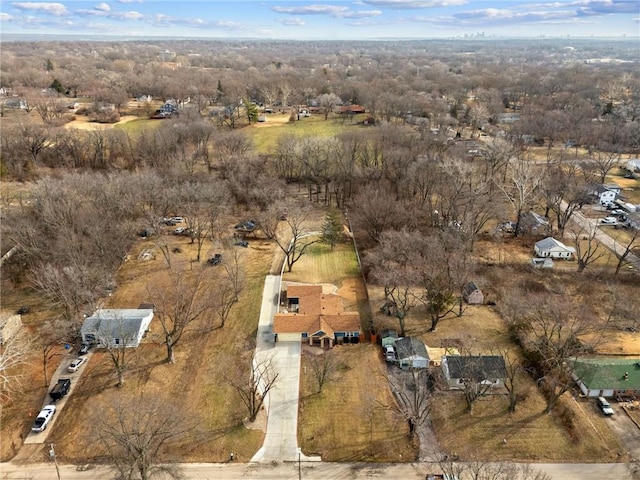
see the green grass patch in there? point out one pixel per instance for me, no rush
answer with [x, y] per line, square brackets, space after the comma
[322, 265]
[141, 125]
[265, 139]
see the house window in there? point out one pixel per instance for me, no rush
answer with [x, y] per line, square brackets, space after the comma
[117, 341]
[304, 335]
[460, 381]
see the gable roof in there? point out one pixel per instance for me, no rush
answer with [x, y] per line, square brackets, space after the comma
[469, 288]
[117, 323]
[476, 367]
[551, 243]
[408, 347]
[608, 373]
[317, 312]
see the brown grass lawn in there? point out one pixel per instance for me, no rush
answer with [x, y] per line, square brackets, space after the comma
[195, 381]
[351, 419]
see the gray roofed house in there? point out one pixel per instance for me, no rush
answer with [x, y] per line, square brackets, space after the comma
[533, 223]
[479, 369]
[116, 326]
[412, 353]
[550, 247]
[472, 294]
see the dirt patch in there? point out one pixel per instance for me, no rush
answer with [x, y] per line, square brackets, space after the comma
[273, 120]
[83, 123]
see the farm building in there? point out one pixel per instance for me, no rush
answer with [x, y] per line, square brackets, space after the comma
[412, 353]
[550, 247]
[607, 377]
[10, 323]
[319, 318]
[111, 327]
[459, 370]
[472, 294]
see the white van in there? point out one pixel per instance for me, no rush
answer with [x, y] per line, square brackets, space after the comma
[604, 406]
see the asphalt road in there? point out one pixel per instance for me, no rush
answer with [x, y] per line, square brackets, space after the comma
[304, 470]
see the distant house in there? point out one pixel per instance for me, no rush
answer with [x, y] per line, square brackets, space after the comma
[633, 165]
[111, 327]
[607, 377]
[550, 247]
[308, 314]
[487, 370]
[533, 223]
[412, 353]
[350, 109]
[472, 294]
[606, 193]
[10, 323]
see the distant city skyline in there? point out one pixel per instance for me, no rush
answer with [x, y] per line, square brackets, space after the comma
[324, 20]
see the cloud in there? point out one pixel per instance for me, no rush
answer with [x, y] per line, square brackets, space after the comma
[5, 17]
[334, 11]
[292, 22]
[103, 7]
[56, 9]
[413, 4]
[608, 7]
[130, 1]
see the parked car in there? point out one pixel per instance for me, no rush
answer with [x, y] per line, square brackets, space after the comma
[60, 389]
[604, 406]
[43, 418]
[179, 230]
[618, 212]
[242, 243]
[215, 260]
[389, 353]
[76, 364]
[609, 220]
[84, 349]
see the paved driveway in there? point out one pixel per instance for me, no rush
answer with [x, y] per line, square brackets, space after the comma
[281, 440]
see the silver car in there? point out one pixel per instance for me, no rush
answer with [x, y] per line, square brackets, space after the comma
[76, 364]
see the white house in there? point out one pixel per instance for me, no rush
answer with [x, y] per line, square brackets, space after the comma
[550, 247]
[111, 327]
[607, 193]
[412, 353]
[633, 165]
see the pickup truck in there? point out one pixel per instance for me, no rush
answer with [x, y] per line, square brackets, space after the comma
[60, 389]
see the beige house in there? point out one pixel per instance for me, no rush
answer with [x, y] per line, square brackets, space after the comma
[319, 318]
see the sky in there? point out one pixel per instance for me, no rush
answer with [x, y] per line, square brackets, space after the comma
[324, 20]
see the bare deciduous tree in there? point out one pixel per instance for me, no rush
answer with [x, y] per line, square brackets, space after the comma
[253, 389]
[588, 248]
[12, 355]
[324, 367]
[293, 243]
[181, 306]
[413, 398]
[137, 435]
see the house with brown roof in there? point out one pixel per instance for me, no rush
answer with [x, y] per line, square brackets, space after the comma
[308, 314]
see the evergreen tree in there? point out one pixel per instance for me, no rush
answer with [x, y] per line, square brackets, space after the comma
[332, 227]
[57, 86]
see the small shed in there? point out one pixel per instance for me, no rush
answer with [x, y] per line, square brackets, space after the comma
[388, 337]
[10, 323]
[550, 247]
[412, 353]
[541, 263]
[472, 294]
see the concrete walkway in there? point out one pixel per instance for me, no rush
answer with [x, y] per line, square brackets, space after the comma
[281, 440]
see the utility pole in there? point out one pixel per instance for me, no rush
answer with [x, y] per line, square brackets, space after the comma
[52, 454]
[299, 468]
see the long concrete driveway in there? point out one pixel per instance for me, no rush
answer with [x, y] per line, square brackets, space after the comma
[590, 224]
[281, 440]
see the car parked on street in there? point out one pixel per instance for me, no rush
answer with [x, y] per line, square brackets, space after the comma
[43, 418]
[76, 364]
